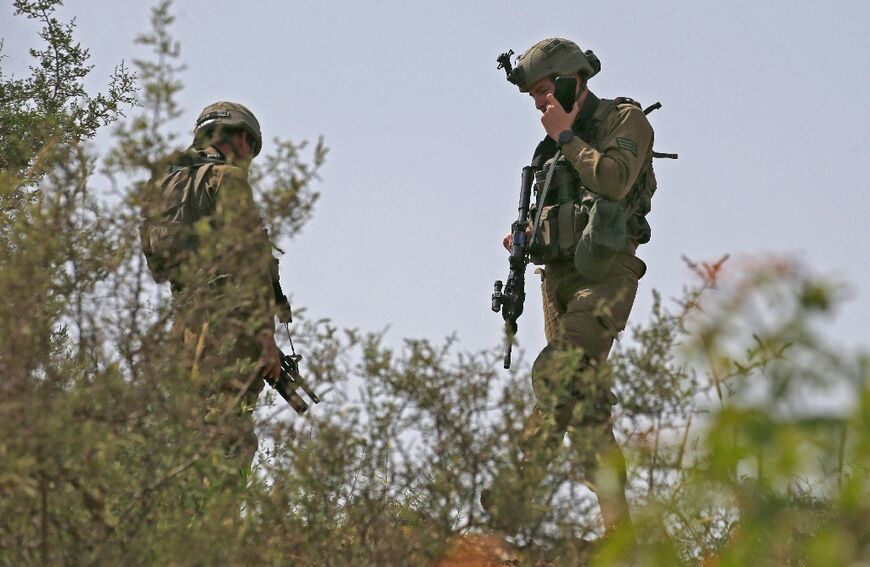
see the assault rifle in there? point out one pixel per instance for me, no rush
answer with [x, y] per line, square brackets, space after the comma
[509, 298]
[290, 379]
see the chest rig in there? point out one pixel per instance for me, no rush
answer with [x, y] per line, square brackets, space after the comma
[565, 213]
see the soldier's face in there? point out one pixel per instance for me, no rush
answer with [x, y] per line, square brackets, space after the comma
[241, 141]
[539, 92]
[545, 86]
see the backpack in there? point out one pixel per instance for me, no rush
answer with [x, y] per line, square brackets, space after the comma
[176, 201]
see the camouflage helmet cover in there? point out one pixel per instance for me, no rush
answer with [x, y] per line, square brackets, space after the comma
[230, 115]
[550, 57]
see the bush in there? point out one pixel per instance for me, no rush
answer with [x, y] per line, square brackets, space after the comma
[108, 458]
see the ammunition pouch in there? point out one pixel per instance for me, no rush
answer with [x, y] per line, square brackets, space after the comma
[559, 232]
[579, 226]
[563, 215]
[604, 238]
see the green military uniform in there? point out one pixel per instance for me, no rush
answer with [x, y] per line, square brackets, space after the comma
[612, 155]
[585, 308]
[204, 235]
[227, 287]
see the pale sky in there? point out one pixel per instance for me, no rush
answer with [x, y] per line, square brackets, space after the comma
[764, 101]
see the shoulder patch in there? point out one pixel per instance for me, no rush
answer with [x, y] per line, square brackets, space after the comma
[627, 145]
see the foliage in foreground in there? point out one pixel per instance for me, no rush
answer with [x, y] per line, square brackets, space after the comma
[105, 456]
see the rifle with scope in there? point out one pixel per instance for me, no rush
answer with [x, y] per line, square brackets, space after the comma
[509, 298]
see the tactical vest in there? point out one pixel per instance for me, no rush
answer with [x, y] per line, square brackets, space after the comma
[177, 200]
[565, 213]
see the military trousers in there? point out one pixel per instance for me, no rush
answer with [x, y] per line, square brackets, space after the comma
[572, 389]
[223, 360]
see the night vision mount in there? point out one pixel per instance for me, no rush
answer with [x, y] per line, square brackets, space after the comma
[504, 62]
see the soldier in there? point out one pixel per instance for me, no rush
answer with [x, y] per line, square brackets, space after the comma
[203, 234]
[589, 228]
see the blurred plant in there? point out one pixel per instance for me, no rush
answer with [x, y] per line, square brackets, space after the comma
[51, 106]
[760, 469]
[106, 458]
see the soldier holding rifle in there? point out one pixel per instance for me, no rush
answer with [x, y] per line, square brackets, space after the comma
[593, 184]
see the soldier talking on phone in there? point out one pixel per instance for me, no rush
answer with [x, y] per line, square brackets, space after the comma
[593, 186]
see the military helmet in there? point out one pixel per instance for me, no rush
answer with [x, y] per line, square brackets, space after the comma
[551, 57]
[230, 115]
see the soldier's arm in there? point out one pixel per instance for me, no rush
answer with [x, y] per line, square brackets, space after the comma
[246, 250]
[625, 147]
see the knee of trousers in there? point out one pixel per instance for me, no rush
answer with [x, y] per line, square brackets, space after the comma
[554, 379]
[560, 388]
[543, 361]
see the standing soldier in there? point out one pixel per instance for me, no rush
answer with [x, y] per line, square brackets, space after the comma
[203, 234]
[595, 166]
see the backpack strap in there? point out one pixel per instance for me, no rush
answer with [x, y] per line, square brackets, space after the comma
[655, 154]
[201, 172]
[650, 108]
[625, 100]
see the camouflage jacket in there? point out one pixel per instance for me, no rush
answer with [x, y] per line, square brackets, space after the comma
[203, 233]
[612, 155]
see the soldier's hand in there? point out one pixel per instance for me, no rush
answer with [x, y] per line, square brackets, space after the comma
[508, 239]
[555, 119]
[270, 356]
